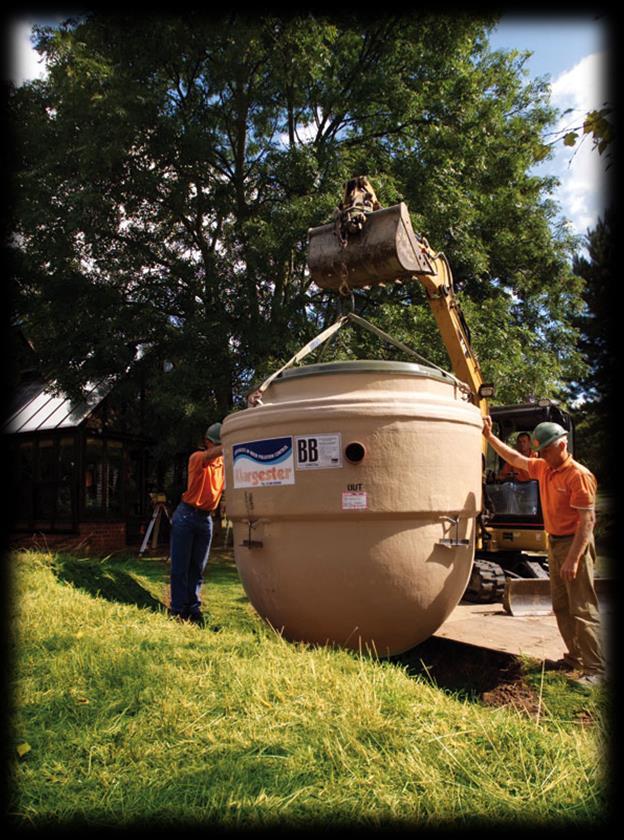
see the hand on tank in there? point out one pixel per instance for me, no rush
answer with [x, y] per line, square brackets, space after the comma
[255, 398]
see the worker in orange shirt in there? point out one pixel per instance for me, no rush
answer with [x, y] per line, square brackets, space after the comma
[191, 527]
[523, 445]
[568, 495]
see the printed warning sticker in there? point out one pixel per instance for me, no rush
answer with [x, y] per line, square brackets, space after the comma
[318, 452]
[355, 501]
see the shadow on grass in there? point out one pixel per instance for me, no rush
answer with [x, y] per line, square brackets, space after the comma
[105, 580]
[457, 667]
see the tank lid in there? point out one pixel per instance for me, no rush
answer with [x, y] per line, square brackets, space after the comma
[364, 366]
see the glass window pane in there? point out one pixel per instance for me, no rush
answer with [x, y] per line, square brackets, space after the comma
[25, 461]
[67, 458]
[115, 465]
[48, 461]
[520, 498]
[45, 495]
[94, 474]
[64, 508]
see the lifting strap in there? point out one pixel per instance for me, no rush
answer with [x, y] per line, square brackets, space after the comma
[351, 317]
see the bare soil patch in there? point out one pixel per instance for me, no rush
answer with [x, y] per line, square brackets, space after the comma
[491, 676]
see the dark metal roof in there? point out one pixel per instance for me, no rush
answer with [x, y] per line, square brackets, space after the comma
[38, 407]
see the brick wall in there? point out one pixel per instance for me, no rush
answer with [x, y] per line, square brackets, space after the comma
[92, 538]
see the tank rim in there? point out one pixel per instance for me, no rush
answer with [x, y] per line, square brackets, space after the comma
[364, 366]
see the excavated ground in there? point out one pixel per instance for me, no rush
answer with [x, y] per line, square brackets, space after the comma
[490, 676]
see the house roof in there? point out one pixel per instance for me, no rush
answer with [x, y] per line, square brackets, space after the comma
[37, 407]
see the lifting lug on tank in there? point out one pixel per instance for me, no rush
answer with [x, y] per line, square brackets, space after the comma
[453, 543]
[249, 543]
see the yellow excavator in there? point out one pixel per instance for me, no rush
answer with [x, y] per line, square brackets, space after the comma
[367, 245]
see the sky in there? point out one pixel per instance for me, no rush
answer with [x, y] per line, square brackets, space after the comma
[569, 49]
[572, 51]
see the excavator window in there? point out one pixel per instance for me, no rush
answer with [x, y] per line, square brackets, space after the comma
[514, 498]
[509, 498]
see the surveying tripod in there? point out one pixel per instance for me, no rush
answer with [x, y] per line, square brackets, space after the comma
[159, 501]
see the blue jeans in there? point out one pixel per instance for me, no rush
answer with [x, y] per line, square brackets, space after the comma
[191, 536]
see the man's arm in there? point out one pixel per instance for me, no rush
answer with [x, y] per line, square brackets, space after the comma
[512, 456]
[582, 537]
[210, 454]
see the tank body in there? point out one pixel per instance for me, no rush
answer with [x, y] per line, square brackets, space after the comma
[353, 492]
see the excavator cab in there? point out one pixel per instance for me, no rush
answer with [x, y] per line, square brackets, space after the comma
[515, 521]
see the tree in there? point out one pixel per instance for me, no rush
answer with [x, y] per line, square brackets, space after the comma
[594, 392]
[597, 124]
[169, 168]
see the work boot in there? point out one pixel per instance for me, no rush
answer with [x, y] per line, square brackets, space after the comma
[197, 618]
[566, 663]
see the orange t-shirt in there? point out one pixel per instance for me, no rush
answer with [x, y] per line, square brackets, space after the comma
[205, 483]
[563, 492]
[521, 475]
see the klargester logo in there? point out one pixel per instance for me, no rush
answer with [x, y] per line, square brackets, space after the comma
[263, 463]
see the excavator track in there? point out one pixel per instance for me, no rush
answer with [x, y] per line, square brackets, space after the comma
[486, 584]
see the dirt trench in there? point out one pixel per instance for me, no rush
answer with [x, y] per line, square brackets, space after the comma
[493, 677]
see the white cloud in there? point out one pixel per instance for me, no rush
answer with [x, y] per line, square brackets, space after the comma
[584, 84]
[580, 168]
[26, 63]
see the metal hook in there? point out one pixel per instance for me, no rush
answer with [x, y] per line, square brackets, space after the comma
[456, 542]
[347, 294]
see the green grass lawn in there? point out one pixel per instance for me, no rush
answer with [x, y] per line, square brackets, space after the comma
[122, 717]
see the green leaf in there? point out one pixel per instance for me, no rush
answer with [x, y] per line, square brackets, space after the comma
[23, 749]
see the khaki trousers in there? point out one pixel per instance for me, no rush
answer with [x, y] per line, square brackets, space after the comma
[575, 606]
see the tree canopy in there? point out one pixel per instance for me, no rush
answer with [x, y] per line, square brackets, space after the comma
[596, 409]
[169, 168]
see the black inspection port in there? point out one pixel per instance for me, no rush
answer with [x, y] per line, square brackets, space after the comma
[355, 452]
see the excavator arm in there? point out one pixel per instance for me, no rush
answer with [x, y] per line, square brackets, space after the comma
[452, 327]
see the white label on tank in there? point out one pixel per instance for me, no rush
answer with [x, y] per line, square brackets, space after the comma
[263, 463]
[318, 452]
[355, 501]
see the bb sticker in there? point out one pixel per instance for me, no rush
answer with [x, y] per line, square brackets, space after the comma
[318, 452]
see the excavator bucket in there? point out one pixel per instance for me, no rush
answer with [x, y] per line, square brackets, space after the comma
[384, 251]
[531, 596]
[527, 596]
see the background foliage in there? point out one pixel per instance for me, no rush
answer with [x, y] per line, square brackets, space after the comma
[169, 168]
[596, 414]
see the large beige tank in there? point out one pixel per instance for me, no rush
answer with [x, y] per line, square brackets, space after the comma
[353, 492]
